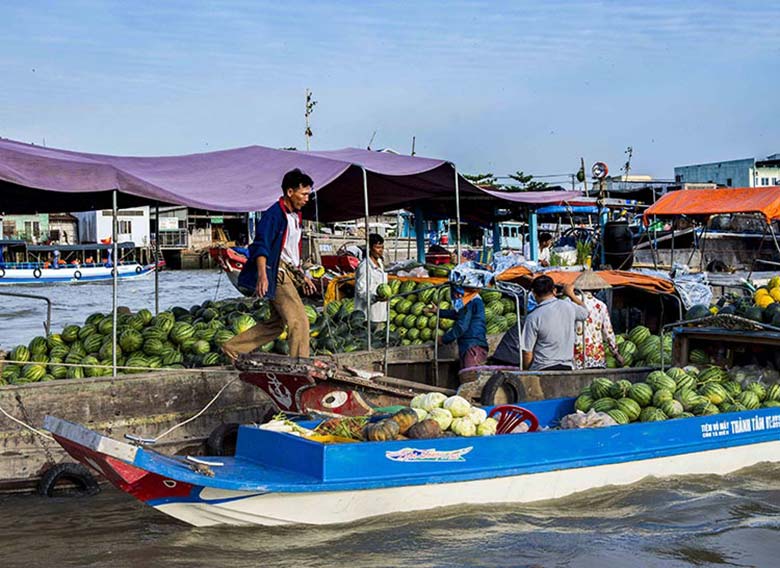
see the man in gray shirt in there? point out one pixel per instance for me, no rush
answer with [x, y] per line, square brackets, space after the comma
[548, 334]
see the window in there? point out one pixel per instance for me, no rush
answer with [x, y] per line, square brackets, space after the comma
[678, 178]
[32, 228]
[125, 227]
[505, 231]
[775, 181]
[9, 229]
[728, 182]
[764, 181]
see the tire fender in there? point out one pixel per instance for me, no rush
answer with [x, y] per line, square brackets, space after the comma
[138, 270]
[80, 476]
[515, 392]
[37, 273]
[2, 272]
[77, 274]
[222, 440]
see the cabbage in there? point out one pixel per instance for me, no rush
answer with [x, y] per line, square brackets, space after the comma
[417, 401]
[487, 427]
[463, 427]
[477, 416]
[421, 414]
[432, 400]
[442, 417]
[457, 405]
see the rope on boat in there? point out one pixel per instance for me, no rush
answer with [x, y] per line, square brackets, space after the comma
[202, 410]
[123, 367]
[25, 425]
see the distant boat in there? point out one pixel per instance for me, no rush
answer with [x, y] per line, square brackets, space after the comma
[72, 271]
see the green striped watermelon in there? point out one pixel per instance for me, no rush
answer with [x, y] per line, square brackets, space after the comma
[600, 387]
[641, 393]
[20, 353]
[583, 403]
[672, 408]
[604, 404]
[130, 341]
[660, 396]
[629, 407]
[618, 416]
[758, 389]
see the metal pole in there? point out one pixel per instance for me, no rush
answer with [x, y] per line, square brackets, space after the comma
[457, 214]
[157, 259]
[367, 259]
[533, 237]
[114, 281]
[397, 230]
[47, 323]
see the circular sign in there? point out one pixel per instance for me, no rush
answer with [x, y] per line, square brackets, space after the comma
[599, 170]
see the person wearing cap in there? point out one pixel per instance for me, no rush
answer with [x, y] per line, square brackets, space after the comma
[369, 275]
[469, 329]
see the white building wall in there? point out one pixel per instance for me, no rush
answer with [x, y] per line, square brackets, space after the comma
[133, 225]
[767, 176]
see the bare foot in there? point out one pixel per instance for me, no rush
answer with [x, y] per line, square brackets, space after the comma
[232, 355]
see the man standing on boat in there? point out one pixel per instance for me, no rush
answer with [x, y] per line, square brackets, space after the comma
[370, 273]
[274, 268]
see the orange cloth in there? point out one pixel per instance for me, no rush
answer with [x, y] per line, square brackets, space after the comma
[706, 202]
[612, 277]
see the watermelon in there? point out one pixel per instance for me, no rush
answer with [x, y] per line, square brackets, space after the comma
[106, 351]
[131, 340]
[652, 414]
[39, 358]
[749, 399]
[600, 388]
[638, 335]
[685, 381]
[38, 345]
[692, 370]
[660, 380]
[773, 392]
[20, 353]
[758, 389]
[618, 416]
[74, 373]
[583, 403]
[698, 357]
[735, 407]
[733, 388]
[200, 347]
[311, 313]
[620, 389]
[171, 357]
[409, 321]
[153, 346]
[91, 368]
[53, 340]
[660, 396]
[182, 331]
[641, 393]
[93, 343]
[495, 307]
[489, 295]
[714, 392]
[206, 334]
[604, 404]
[94, 319]
[672, 408]
[417, 308]
[771, 404]
[70, 333]
[428, 295]
[240, 325]
[697, 311]
[704, 409]
[629, 407]
[712, 374]
[59, 351]
[136, 360]
[404, 307]
[106, 327]
[422, 322]
[222, 337]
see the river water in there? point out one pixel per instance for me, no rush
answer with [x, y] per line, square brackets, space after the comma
[22, 319]
[692, 521]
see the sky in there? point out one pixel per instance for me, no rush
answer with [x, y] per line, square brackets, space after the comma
[492, 86]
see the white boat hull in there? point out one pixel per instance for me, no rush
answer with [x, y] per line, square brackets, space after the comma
[322, 508]
[70, 275]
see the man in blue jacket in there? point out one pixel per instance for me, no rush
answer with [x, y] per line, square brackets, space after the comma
[273, 269]
[468, 329]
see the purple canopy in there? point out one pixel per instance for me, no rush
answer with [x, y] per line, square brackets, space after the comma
[536, 197]
[33, 178]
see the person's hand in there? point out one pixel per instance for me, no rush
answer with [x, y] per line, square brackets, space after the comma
[429, 310]
[544, 263]
[262, 285]
[619, 359]
[568, 289]
[308, 286]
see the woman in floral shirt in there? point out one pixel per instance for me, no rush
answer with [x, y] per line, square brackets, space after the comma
[593, 335]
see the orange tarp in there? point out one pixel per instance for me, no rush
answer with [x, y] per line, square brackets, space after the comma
[763, 200]
[612, 277]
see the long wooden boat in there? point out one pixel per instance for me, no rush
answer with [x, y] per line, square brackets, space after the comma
[280, 479]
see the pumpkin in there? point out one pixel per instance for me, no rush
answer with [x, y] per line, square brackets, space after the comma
[381, 431]
[405, 418]
[425, 429]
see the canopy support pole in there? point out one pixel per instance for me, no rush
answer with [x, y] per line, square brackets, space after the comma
[496, 238]
[457, 214]
[367, 260]
[157, 259]
[533, 237]
[397, 230]
[114, 281]
[419, 233]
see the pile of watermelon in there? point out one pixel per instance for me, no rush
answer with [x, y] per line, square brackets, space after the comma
[176, 338]
[640, 348]
[676, 393]
[407, 300]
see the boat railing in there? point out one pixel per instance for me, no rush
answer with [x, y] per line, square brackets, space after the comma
[34, 265]
[47, 323]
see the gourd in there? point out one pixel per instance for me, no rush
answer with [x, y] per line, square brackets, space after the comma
[381, 431]
[424, 430]
[405, 418]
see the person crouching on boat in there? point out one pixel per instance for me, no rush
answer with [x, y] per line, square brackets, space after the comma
[274, 268]
[469, 329]
[369, 275]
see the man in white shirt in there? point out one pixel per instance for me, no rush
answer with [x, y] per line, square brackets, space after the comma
[369, 275]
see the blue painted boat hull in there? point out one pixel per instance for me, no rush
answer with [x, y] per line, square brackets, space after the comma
[278, 478]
